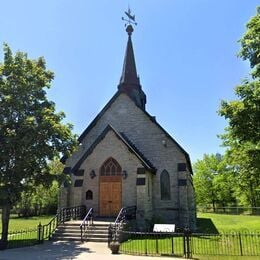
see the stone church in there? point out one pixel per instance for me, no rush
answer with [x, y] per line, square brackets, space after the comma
[126, 158]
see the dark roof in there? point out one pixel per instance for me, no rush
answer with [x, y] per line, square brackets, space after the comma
[132, 148]
[110, 102]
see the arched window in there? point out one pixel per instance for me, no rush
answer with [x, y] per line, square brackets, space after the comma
[89, 195]
[165, 186]
[110, 168]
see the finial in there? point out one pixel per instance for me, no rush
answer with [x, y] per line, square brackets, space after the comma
[130, 20]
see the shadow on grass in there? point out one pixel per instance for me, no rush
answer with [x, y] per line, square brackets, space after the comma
[205, 225]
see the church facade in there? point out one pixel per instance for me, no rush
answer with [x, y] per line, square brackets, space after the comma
[126, 158]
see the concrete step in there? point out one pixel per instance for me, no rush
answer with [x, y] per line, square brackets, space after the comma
[97, 235]
[92, 239]
[97, 232]
[67, 231]
[62, 238]
[67, 235]
[70, 231]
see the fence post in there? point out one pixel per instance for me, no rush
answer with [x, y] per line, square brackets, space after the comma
[172, 246]
[184, 244]
[240, 244]
[187, 243]
[157, 247]
[39, 233]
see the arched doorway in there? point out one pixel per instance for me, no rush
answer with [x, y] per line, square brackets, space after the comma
[110, 188]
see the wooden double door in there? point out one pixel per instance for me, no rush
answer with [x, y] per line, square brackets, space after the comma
[110, 195]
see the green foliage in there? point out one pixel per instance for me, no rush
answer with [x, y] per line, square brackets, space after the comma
[250, 44]
[242, 136]
[243, 114]
[31, 132]
[38, 201]
[213, 181]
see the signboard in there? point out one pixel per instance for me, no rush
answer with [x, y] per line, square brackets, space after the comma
[164, 228]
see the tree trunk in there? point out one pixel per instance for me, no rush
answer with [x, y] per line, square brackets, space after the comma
[5, 224]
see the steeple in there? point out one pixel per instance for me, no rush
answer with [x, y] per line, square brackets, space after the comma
[129, 74]
[129, 81]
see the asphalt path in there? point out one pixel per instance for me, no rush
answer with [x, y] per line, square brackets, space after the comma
[70, 250]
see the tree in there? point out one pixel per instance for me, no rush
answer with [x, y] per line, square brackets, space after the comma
[242, 136]
[250, 44]
[37, 200]
[31, 133]
[210, 181]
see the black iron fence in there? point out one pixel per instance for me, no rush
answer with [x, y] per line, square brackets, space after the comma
[37, 235]
[21, 238]
[190, 244]
[230, 210]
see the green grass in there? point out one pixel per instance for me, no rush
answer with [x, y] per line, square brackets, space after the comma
[226, 257]
[23, 231]
[16, 224]
[212, 223]
[211, 246]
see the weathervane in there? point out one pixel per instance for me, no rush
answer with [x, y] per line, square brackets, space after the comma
[130, 18]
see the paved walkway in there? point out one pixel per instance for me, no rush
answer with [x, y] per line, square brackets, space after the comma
[69, 250]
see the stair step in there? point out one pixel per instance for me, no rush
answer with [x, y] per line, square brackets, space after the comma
[66, 238]
[67, 231]
[98, 228]
[97, 235]
[96, 232]
[66, 235]
[92, 239]
[70, 231]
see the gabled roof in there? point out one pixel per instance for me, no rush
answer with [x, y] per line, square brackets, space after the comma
[130, 145]
[110, 102]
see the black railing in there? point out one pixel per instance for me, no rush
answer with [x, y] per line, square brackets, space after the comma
[239, 210]
[187, 244]
[231, 244]
[21, 238]
[126, 214]
[87, 221]
[63, 215]
[29, 237]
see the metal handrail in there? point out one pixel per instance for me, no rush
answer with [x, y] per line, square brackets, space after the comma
[124, 214]
[86, 222]
[64, 214]
[119, 215]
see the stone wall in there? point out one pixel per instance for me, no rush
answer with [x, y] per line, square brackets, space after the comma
[154, 143]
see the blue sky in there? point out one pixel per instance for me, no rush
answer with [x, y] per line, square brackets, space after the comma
[185, 53]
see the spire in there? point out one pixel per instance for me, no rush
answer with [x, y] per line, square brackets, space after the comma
[129, 74]
[129, 81]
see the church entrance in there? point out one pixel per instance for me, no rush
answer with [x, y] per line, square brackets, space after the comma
[110, 188]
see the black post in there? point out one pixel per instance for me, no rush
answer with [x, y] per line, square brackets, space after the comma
[39, 233]
[187, 243]
[172, 246]
[81, 233]
[157, 249]
[184, 244]
[145, 239]
[240, 244]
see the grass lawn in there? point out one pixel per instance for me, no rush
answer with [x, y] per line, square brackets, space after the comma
[212, 223]
[29, 226]
[17, 224]
[213, 246]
